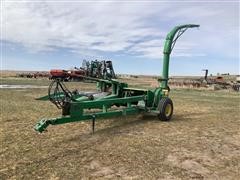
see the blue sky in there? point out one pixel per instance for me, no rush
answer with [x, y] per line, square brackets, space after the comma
[42, 35]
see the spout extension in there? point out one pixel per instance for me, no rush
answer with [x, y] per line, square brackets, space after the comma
[192, 25]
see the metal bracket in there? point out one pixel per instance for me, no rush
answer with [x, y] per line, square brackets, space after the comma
[180, 32]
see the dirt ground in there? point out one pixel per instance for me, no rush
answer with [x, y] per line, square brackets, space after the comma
[201, 142]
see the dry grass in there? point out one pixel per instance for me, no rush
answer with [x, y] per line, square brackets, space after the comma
[202, 140]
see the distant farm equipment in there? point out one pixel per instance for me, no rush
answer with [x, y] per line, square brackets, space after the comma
[225, 81]
[33, 75]
[67, 75]
[94, 69]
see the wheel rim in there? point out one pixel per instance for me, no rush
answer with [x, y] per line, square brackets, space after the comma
[168, 110]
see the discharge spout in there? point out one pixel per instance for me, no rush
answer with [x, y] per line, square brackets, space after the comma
[169, 44]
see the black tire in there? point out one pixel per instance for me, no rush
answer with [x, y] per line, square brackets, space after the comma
[168, 88]
[165, 107]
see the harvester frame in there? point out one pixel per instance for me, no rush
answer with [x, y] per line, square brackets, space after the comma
[76, 105]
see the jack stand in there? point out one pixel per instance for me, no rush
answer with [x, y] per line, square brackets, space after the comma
[93, 123]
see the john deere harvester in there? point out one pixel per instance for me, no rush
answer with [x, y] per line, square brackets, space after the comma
[80, 106]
